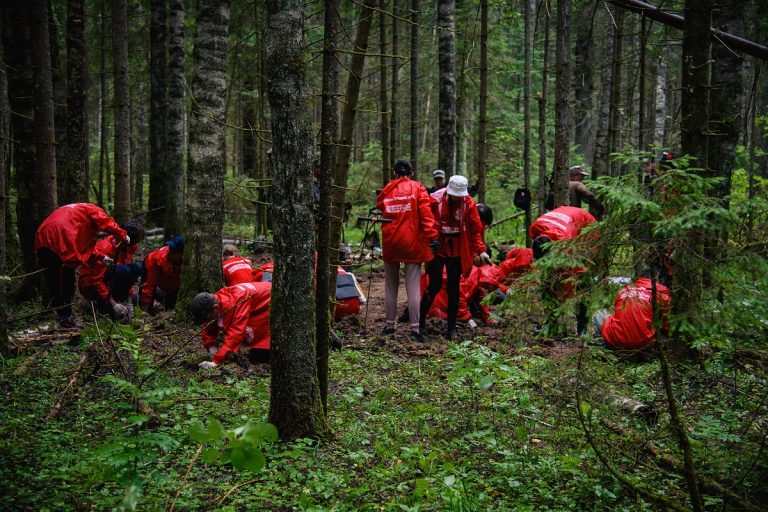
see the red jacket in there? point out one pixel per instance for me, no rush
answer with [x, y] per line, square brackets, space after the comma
[631, 325]
[243, 316]
[239, 270]
[519, 261]
[461, 231]
[561, 223]
[71, 230]
[161, 273]
[91, 281]
[407, 237]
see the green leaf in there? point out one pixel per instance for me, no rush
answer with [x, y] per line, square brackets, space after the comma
[137, 419]
[215, 429]
[198, 432]
[487, 381]
[238, 458]
[211, 455]
[449, 481]
[254, 461]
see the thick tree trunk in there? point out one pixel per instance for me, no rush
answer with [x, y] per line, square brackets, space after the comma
[464, 53]
[528, 43]
[59, 84]
[329, 129]
[446, 159]
[206, 157]
[158, 69]
[562, 89]
[45, 159]
[122, 147]
[415, 18]
[104, 170]
[74, 182]
[174, 172]
[583, 81]
[661, 101]
[4, 128]
[482, 127]
[542, 108]
[614, 112]
[601, 158]
[295, 405]
[394, 132]
[386, 164]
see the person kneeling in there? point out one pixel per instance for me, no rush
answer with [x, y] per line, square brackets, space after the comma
[241, 312]
[631, 325]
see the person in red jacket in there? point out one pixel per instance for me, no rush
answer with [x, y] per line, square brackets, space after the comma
[411, 238]
[162, 275]
[461, 245]
[630, 327]
[241, 312]
[518, 261]
[563, 223]
[110, 287]
[66, 240]
[237, 269]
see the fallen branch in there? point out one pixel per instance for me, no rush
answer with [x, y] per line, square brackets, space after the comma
[186, 476]
[31, 340]
[72, 380]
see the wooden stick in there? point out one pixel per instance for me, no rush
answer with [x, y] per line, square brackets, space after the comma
[186, 475]
[72, 380]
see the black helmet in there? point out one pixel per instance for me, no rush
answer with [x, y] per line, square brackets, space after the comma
[486, 214]
[538, 246]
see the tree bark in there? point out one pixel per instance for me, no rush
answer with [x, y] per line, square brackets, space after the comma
[326, 268]
[158, 69]
[174, 171]
[295, 405]
[74, 186]
[206, 154]
[59, 84]
[4, 128]
[446, 159]
[562, 88]
[542, 107]
[386, 164]
[584, 69]
[103, 126]
[614, 104]
[394, 132]
[45, 182]
[122, 147]
[415, 18]
[528, 47]
[482, 127]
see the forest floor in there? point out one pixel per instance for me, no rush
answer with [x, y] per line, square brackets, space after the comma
[493, 421]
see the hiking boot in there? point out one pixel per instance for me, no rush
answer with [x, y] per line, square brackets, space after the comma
[388, 331]
[417, 336]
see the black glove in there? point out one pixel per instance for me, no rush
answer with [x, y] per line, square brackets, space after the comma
[434, 246]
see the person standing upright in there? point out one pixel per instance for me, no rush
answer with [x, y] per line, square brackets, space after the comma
[411, 238]
[461, 245]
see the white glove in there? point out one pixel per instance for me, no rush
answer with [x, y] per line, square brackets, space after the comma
[120, 311]
[486, 259]
[127, 239]
[212, 350]
[207, 365]
[107, 261]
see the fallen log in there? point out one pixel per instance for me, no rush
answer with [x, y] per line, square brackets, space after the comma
[72, 381]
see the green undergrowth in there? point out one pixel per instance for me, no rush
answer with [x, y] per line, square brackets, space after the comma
[467, 430]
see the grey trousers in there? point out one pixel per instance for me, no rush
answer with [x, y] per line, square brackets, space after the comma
[412, 289]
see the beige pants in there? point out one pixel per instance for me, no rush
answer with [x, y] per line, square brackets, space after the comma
[412, 289]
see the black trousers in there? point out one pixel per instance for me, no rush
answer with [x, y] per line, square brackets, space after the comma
[435, 274]
[59, 280]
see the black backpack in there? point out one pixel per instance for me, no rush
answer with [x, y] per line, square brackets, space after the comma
[522, 198]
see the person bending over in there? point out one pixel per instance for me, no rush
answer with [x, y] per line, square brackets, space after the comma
[162, 276]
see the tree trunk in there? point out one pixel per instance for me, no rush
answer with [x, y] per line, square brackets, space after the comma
[158, 69]
[601, 158]
[386, 164]
[295, 405]
[394, 132]
[59, 84]
[528, 43]
[642, 87]
[415, 18]
[446, 159]
[348, 121]
[583, 81]
[562, 89]
[614, 104]
[542, 104]
[4, 129]
[464, 54]
[174, 171]
[122, 147]
[103, 127]
[206, 157]
[74, 182]
[329, 129]
[482, 127]
[45, 181]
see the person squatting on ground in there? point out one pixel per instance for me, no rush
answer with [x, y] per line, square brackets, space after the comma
[578, 192]
[237, 269]
[109, 287]
[162, 276]
[461, 245]
[65, 240]
[630, 327]
[563, 223]
[411, 238]
[241, 312]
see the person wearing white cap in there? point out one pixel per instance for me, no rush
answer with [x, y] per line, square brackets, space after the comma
[438, 177]
[461, 245]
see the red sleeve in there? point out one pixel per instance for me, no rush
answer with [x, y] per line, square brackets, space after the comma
[105, 222]
[209, 335]
[148, 289]
[426, 217]
[235, 324]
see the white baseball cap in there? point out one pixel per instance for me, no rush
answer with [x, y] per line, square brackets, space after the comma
[457, 186]
[438, 174]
